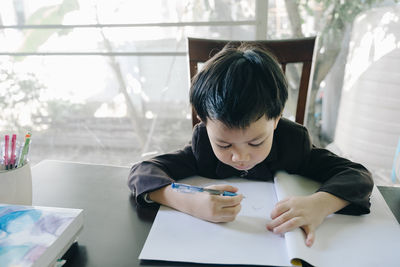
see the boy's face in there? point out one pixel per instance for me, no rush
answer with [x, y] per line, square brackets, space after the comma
[242, 148]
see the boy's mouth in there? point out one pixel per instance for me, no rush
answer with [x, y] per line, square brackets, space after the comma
[242, 167]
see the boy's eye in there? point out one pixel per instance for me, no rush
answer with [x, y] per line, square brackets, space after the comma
[258, 144]
[224, 146]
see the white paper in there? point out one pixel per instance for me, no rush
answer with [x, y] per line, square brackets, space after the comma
[343, 240]
[176, 236]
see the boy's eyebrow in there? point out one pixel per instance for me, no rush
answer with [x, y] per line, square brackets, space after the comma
[258, 137]
[252, 140]
[221, 141]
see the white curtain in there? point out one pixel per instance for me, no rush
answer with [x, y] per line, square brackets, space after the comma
[368, 127]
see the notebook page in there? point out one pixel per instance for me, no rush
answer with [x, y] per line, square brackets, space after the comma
[176, 236]
[343, 240]
[287, 185]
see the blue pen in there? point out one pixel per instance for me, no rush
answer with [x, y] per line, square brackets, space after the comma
[185, 188]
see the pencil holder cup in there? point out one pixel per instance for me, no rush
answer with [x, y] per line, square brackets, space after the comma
[16, 186]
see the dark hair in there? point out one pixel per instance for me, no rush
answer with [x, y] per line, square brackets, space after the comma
[238, 86]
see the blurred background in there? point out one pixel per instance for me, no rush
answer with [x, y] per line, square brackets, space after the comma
[107, 81]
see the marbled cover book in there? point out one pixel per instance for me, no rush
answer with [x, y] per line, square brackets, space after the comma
[27, 232]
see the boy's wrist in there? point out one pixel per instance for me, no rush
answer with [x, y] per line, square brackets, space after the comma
[163, 195]
[329, 203]
[168, 197]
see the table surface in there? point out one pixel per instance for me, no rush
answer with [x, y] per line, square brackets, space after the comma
[114, 228]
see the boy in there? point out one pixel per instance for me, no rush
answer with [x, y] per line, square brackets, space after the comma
[239, 96]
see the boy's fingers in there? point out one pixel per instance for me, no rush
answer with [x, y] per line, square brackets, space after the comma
[229, 214]
[279, 209]
[310, 235]
[231, 211]
[228, 201]
[223, 187]
[279, 220]
[310, 239]
[289, 225]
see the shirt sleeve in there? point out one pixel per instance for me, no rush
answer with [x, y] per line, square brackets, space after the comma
[339, 176]
[160, 171]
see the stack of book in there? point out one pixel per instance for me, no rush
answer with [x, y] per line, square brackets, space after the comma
[36, 236]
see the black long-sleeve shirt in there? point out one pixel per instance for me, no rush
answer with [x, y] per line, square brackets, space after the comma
[291, 151]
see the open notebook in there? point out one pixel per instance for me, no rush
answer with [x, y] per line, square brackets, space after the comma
[36, 236]
[341, 240]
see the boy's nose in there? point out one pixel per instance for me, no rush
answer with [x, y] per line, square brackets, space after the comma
[240, 156]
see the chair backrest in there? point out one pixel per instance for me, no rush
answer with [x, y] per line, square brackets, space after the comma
[286, 51]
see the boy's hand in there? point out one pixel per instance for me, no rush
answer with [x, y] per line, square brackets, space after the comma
[213, 208]
[305, 212]
[216, 208]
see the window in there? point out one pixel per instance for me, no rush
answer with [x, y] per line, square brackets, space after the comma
[107, 81]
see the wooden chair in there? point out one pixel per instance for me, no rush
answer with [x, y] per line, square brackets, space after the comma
[286, 51]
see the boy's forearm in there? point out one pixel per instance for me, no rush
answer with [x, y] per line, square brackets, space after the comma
[213, 208]
[168, 197]
[329, 203]
[161, 195]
